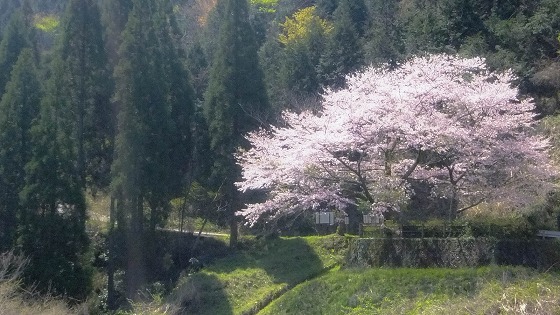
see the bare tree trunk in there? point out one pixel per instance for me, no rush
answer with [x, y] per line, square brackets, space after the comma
[136, 246]
[111, 293]
[233, 231]
[197, 240]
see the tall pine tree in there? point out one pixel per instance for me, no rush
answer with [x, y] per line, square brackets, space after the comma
[87, 84]
[7, 9]
[114, 16]
[18, 35]
[235, 102]
[18, 109]
[52, 221]
[154, 122]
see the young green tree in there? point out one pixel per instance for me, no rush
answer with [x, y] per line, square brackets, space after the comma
[235, 102]
[87, 83]
[18, 109]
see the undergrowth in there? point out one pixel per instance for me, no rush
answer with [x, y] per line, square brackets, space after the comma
[14, 299]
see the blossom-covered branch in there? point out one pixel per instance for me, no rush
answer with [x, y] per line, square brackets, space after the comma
[441, 120]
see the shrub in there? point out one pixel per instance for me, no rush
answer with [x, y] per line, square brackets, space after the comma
[501, 227]
[14, 300]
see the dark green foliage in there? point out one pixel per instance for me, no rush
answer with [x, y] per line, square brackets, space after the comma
[298, 71]
[235, 101]
[179, 98]
[201, 149]
[343, 53]
[383, 42]
[452, 252]
[52, 221]
[424, 27]
[271, 57]
[154, 128]
[325, 8]
[517, 34]
[18, 35]
[7, 9]
[464, 20]
[525, 42]
[18, 109]
[503, 228]
[357, 12]
[51, 6]
[197, 64]
[115, 15]
[153, 146]
[87, 89]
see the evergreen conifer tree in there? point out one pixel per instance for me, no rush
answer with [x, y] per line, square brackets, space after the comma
[115, 15]
[234, 102]
[52, 221]
[18, 35]
[18, 109]
[303, 37]
[7, 9]
[88, 90]
[343, 53]
[153, 141]
[384, 38]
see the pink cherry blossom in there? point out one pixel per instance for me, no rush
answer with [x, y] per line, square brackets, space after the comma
[441, 119]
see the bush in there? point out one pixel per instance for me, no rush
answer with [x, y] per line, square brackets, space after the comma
[14, 300]
[453, 252]
[501, 227]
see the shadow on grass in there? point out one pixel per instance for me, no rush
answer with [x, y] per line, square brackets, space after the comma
[286, 260]
[200, 294]
[259, 271]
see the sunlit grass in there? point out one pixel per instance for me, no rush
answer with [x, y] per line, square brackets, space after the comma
[260, 271]
[268, 6]
[487, 290]
[47, 23]
[98, 212]
[296, 276]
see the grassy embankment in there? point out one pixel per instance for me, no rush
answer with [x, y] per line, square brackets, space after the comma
[277, 270]
[247, 280]
[267, 271]
[485, 290]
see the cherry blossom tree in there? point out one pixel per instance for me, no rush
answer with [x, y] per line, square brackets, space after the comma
[441, 120]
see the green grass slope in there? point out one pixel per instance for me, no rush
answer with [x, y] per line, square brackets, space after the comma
[256, 274]
[488, 290]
